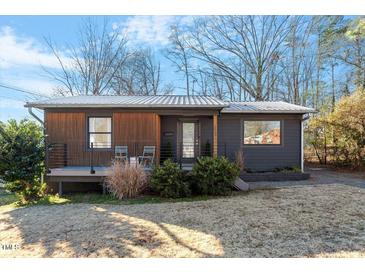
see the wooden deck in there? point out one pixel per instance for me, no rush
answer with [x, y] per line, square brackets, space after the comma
[99, 171]
[79, 171]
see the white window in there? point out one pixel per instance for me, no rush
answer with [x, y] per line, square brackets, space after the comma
[100, 132]
[261, 132]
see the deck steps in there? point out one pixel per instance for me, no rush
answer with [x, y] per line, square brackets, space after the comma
[241, 185]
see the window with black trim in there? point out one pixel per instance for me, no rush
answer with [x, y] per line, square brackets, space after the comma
[100, 132]
[261, 132]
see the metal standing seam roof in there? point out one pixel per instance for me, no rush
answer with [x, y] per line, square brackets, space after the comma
[166, 101]
[160, 101]
[266, 107]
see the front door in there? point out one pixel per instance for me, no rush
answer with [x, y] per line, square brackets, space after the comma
[189, 140]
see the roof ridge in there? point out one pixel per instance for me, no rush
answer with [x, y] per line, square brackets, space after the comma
[191, 101]
[135, 95]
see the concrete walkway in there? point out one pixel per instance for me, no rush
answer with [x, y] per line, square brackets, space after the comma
[319, 176]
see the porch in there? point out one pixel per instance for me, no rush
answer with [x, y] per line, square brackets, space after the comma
[97, 171]
[181, 138]
[61, 161]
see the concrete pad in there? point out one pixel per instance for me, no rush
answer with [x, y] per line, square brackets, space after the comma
[241, 185]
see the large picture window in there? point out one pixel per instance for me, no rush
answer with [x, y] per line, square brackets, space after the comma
[261, 133]
[100, 132]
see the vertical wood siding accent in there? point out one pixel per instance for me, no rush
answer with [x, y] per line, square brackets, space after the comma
[70, 129]
[158, 138]
[137, 130]
[132, 129]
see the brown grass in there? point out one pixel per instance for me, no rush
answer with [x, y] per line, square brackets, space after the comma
[309, 221]
[126, 180]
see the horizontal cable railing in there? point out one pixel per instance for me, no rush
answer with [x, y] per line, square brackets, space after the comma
[99, 154]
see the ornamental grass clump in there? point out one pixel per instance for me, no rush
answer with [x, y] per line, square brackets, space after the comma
[126, 180]
[240, 160]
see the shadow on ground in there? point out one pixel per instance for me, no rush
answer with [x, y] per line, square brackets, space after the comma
[314, 220]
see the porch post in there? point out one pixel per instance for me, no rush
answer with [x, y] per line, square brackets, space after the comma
[60, 188]
[215, 135]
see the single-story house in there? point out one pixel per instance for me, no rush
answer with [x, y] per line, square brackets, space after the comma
[85, 133]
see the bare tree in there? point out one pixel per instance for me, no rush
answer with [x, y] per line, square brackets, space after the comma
[179, 54]
[150, 73]
[89, 66]
[296, 64]
[126, 81]
[324, 47]
[141, 75]
[354, 50]
[212, 82]
[202, 80]
[332, 44]
[232, 42]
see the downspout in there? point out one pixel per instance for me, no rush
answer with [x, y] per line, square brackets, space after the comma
[35, 116]
[304, 118]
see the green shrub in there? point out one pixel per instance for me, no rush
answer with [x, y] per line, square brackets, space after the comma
[27, 191]
[168, 180]
[21, 158]
[213, 176]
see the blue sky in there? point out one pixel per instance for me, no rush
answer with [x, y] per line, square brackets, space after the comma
[23, 51]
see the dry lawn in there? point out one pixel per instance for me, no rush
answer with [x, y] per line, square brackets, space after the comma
[309, 221]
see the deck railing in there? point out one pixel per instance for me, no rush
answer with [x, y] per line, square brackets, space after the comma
[60, 155]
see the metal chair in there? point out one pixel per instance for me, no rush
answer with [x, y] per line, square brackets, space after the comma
[121, 153]
[148, 156]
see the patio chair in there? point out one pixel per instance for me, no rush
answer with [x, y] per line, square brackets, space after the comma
[148, 156]
[121, 153]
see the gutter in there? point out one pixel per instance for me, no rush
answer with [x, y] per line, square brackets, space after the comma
[30, 110]
[305, 117]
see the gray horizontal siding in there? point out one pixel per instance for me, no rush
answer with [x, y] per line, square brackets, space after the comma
[261, 157]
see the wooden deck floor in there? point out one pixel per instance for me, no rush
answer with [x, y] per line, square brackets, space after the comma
[99, 171]
[79, 171]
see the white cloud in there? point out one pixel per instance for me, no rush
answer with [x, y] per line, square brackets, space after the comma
[21, 61]
[12, 109]
[11, 103]
[152, 30]
[149, 29]
[19, 51]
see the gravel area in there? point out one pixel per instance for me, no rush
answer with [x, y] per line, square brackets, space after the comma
[324, 220]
